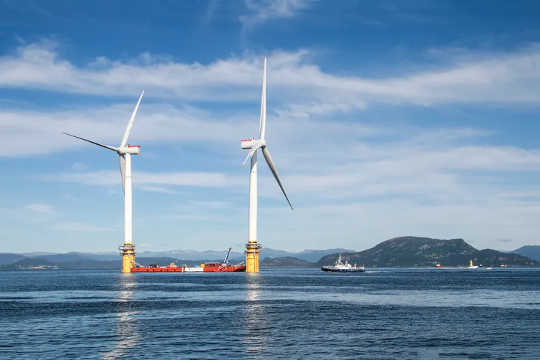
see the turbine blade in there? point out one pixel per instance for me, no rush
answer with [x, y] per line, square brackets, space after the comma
[123, 171]
[250, 154]
[92, 142]
[130, 123]
[272, 167]
[262, 119]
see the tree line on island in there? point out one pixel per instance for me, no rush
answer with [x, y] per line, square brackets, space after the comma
[407, 251]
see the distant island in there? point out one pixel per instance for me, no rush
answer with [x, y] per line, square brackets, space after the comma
[410, 251]
[406, 251]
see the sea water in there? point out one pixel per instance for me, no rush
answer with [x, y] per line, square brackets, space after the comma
[276, 314]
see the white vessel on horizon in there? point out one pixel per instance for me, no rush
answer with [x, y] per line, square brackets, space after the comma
[341, 266]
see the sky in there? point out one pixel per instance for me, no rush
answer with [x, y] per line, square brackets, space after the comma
[385, 119]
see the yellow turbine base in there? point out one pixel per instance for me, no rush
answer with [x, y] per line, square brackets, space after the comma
[128, 257]
[252, 257]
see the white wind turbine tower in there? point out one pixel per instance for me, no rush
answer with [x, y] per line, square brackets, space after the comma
[124, 152]
[252, 247]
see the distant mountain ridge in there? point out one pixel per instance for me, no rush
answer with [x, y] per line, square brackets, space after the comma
[81, 263]
[311, 255]
[406, 251]
[78, 260]
[8, 258]
[286, 261]
[530, 251]
[409, 251]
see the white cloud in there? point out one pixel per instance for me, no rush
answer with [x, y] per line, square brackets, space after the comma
[150, 181]
[365, 224]
[436, 164]
[404, 169]
[436, 174]
[265, 10]
[73, 226]
[196, 179]
[32, 132]
[293, 81]
[41, 208]
[79, 166]
[352, 178]
[55, 221]
[158, 189]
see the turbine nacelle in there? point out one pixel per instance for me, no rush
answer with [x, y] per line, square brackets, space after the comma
[130, 149]
[252, 143]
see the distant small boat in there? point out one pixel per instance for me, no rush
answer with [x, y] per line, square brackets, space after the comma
[472, 266]
[341, 266]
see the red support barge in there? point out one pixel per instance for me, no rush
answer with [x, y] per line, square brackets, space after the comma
[202, 268]
[212, 267]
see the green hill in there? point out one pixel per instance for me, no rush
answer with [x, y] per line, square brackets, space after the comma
[409, 251]
[286, 261]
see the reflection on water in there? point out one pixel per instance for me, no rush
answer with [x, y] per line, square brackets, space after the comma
[126, 326]
[277, 314]
[256, 329]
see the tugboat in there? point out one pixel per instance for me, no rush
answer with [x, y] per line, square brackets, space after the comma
[341, 266]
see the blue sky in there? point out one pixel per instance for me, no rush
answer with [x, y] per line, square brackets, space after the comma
[384, 119]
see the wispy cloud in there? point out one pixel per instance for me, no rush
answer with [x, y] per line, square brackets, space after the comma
[41, 208]
[210, 11]
[73, 226]
[393, 169]
[294, 81]
[422, 179]
[79, 166]
[33, 132]
[368, 223]
[404, 170]
[56, 221]
[266, 10]
[158, 189]
[150, 181]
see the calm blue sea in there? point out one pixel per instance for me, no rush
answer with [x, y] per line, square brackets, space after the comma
[277, 314]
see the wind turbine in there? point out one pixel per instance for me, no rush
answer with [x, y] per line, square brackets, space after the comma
[252, 247]
[124, 152]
